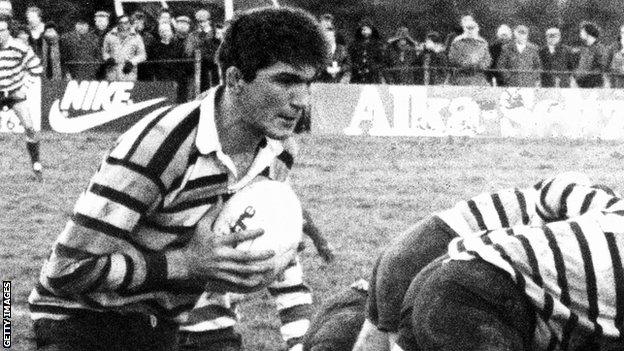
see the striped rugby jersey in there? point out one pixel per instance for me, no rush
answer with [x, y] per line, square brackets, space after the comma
[571, 269]
[16, 61]
[152, 188]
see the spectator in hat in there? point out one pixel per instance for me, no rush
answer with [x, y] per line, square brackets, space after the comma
[138, 20]
[122, 51]
[616, 67]
[593, 61]
[469, 55]
[78, 47]
[182, 27]
[519, 61]
[557, 58]
[401, 58]
[503, 37]
[101, 20]
[36, 27]
[203, 39]
[50, 53]
[339, 68]
[433, 60]
[367, 55]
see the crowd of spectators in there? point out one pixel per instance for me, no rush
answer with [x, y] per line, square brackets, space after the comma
[139, 47]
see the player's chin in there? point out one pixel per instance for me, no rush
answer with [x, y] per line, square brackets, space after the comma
[280, 133]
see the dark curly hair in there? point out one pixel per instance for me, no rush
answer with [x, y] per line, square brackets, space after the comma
[259, 38]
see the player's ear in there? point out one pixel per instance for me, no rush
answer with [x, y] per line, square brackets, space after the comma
[234, 78]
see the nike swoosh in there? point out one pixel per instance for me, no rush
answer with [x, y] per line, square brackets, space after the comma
[62, 124]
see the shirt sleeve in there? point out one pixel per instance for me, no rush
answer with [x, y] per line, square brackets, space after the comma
[32, 63]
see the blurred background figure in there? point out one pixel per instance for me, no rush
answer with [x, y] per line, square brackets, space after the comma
[101, 21]
[138, 20]
[21, 33]
[203, 39]
[78, 47]
[36, 27]
[616, 61]
[519, 61]
[556, 56]
[167, 47]
[6, 8]
[338, 69]
[122, 51]
[503, 37]
[50, 53]
[433, 60]
[366, 54]
[401, 58]
[165, 16]
[592, 63]
[182, 27]
[469, 55]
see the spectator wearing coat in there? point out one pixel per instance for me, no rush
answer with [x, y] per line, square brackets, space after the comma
[519, 61]
[50, 53]
[167, 47]
[101, 21]
[203, 39]
[36, 27]
[77, 48]
[503, 37]
[469, 55]
[367, 55]
[616, 66]
[339, 68]
[433, 60]
[122, 51]
[402, 58]
[182, 27]
[593, 61]
[556, 57]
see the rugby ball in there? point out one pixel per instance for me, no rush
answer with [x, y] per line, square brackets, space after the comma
[269, 205]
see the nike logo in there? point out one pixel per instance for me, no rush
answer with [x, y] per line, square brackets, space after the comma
[62, 124]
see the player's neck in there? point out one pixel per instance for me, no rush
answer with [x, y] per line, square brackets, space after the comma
[235, 135]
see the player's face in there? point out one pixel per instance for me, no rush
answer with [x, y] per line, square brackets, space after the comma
[4, 33]
[276, 99]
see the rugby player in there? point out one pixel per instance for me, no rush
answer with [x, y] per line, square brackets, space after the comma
[509, 224]
[18, 65]
[127, 270]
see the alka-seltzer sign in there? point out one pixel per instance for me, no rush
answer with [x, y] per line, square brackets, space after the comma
[467, 111]
[73, 107]
[101, 105]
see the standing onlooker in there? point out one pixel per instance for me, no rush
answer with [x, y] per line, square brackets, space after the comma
[101, 20]
[169, 48]
[433, 60]
[592, 63]
[616, 66]
[470, 55]
[204, 40]
[36, 27]
[519, 61]
[557, 61]
[339, 68]
[182, 27]
[401, 57]
[138, 24]
[123, 50]
[165, 16]
[503, 37]
[50, 53]
[367, 55]
[328, 20]
[77, 48]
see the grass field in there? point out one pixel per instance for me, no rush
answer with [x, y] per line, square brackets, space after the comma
[361, 191]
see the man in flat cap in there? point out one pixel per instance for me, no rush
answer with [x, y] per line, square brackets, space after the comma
[593, 61]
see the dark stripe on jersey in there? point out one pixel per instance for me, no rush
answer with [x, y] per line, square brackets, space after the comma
[590, 274]
[510, 232]
[500, 210]
[103, 275]
[127, 280]
[206, 181]
[567, 331]
[215, 310]
[289, 289]
[476, 214]
[100, 226]
[612, 201]
[169, 147]
[587, 202]
[543, 194]
[140, 170]
[58, 310]
[528, 249]
[177, 230]
[190, 204]
[119, 197]
[538, 185]
[618, 276]
[72, 253]
[41, 290]
[156, 271]
[295, 313]
[563, 202]
[143, 133]
[266, 172]
[552, 344]
[519, 278]
[562, 280]
[547, 310]
[287, 158]
[294, 341]
[57, 283]
[486, 239]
